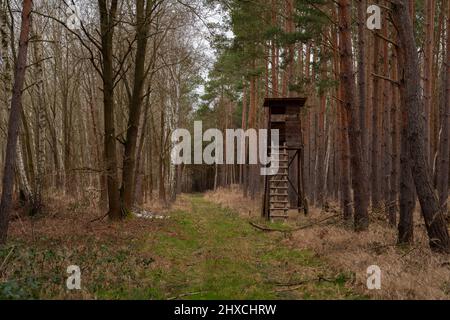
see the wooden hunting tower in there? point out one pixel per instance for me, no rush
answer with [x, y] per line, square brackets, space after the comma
[285, 190]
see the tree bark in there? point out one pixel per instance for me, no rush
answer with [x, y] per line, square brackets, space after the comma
[376, 106]
[359, 176]
[143, 11]
[430, 6]
[40, 132]
[107, 17]
[395, 144]
[444, 148]
[431, 211]
[362, 86]
[407, 189]
[14, 121]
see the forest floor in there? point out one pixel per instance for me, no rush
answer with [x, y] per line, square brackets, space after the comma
[407, 272]
[200, 250]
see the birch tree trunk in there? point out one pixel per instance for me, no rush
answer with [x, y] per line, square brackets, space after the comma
[14, 121]
[40, 132]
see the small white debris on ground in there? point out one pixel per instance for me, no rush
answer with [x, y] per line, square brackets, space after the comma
[149, 215]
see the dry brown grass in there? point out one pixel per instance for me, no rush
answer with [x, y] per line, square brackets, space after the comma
[42, 247]
[232, 198]
[407, 273]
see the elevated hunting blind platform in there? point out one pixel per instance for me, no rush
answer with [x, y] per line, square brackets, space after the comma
[284, 191]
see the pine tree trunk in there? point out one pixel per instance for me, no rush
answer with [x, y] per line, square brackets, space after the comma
[252, 125]
[407, 188]
[376, 106]
[444, 148]
[395, 141]
[359, 176]
[386, 125]
[428, 73]
[362, 86]
[274, 54]
[346, 195]
[431, 211]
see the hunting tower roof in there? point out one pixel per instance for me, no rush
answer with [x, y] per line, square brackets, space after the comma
[285, 102]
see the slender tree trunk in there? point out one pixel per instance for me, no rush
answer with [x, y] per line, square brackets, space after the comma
[40, 132]
[359, 176]
[362, 86]
[107, 17]
[252, 125]
[274, 55]
[376, 106]
[14, 121]
[26, 193]
[431, 211]
[143, 11]
[444, 148]
[386, 126]
[395, 106]
[430, 6]
[161, 181]
[244, 167]
[25, 190]
[346, 195]
[407, 188]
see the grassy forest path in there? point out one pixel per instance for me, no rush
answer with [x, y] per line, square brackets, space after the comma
[200, 251]
[211, 252]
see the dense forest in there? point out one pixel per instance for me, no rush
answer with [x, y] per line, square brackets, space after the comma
[92, 91]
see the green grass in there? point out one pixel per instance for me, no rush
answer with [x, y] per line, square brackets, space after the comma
[202, 252]
[215, 254]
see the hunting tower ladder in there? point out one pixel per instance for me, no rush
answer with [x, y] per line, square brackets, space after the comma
[284, 190]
